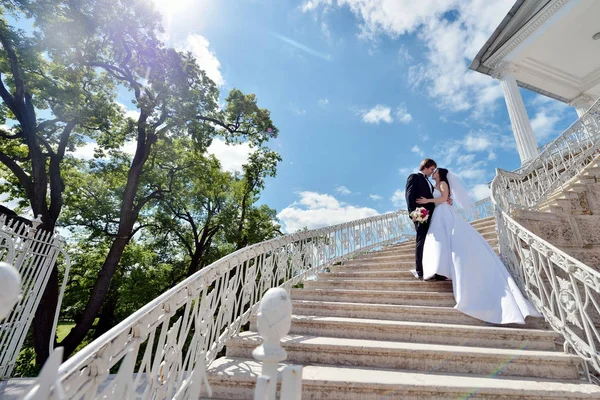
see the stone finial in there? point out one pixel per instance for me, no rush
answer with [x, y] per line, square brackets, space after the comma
[274, 320]
[37, 221]
[274, 317]
[10, 288]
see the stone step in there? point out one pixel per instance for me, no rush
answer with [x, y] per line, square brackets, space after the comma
[397, 285]
[442, 299]
[491, 237]
[375, 274]
[302, 349]
[395, 312]
[400, 263]
[235, 378]
[423, 332]
[395, 266]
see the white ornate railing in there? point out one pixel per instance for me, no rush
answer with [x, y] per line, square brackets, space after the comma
[563, 289]
[33, 253]
[161, 351]
[560, 161]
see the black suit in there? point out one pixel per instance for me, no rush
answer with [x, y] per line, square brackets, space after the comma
[417, 185]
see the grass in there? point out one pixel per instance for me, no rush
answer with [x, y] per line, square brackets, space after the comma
[63, 329]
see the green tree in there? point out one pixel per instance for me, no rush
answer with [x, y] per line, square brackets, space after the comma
[52, 107]
[96, 45]
[261, 164]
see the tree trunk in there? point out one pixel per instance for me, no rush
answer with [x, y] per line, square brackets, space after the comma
[97, 297]
[128, 217]
[195, 261]
[107, 315]
[44, 319]
[240, 239]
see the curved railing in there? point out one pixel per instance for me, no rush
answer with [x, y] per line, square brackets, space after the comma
[560, 161]
[159, 349]
[563, 289]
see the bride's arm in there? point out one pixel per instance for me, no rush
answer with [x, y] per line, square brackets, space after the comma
[443, 190]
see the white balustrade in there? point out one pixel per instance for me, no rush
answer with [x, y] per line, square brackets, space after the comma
[563, 289]
[33, 254]
[176, 336]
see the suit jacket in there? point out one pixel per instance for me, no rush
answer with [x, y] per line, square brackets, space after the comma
[417, 185]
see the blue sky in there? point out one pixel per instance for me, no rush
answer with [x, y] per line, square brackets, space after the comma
[361, 91]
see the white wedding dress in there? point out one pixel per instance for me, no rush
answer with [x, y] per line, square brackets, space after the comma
[482, 286]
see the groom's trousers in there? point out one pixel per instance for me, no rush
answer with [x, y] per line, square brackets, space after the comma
[420, 243]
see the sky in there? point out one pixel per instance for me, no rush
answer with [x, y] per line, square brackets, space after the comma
[361, 91]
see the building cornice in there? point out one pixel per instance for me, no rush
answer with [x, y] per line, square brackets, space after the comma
[531, 26]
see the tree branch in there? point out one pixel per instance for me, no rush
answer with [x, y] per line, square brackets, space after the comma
[19, 173]
[14, 68]
[6, 96]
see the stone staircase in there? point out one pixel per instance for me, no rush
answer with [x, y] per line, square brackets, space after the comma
[367, 329]
[570, 217]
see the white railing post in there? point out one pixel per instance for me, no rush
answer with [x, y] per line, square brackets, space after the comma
[10, 288]
[274, 320]
[47, 382]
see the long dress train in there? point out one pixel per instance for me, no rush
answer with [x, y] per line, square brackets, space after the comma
[482, 286]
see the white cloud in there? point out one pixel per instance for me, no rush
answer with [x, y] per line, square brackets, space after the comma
[547, 115]
[343, 190]
[181, 16]
[472, 174]
[378, 114]
[86, 151]
[376, 197]
[133, 114]
[402, 115]
[315, 210]
[452, 32]
[465, 159]
[383, 113]
[417, 150]
[480, 191]
[406, 171]
[297, 110]
[399, 199]
[198, 45]
[233, 156]
[323, 102]
[311, 5]
[476, 143]
[404, 56]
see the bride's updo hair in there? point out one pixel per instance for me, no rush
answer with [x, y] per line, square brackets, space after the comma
[443, 174]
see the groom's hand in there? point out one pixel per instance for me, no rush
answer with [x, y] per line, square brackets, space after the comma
[449, 201]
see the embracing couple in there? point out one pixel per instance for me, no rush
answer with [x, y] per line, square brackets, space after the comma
[448, 247]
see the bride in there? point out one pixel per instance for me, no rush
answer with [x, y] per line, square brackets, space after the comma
[482, 286]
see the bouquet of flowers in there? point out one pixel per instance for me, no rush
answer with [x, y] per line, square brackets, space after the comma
[420, 215]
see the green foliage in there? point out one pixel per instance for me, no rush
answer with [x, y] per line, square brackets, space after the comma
[140, 221]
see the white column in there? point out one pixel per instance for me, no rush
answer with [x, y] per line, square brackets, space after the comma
[582, 103]
[526, 142]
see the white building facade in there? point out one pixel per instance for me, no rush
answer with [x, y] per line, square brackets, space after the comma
[551, 47]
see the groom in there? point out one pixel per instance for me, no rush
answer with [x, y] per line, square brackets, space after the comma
[418, 185]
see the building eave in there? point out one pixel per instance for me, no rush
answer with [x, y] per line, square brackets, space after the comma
[477, 63]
